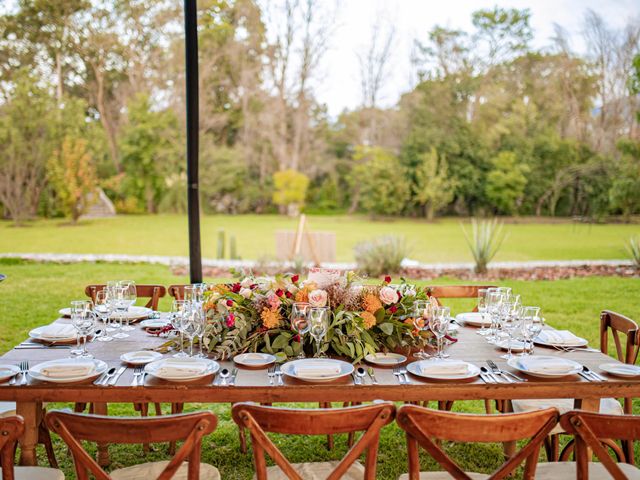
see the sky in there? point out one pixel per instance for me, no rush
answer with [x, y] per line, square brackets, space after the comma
[339, 85]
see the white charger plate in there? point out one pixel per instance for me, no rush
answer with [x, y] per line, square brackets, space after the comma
[140, 357]
[35, 371]
[254, 359]
[620, 369]
[36, 334]
[385, 359]
[572, 367]
[417, 368]
[289, 369]
[475, 319]
[211, 367]
[7, 372]
[134, 313]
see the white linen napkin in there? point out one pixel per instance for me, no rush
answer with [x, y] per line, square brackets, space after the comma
[546, 365]
[172, 368]
[68, 370]
[450, 367]
[559, 337]
[317, 369]
[475, 317]
[57, 331]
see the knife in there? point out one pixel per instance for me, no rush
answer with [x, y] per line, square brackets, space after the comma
[115, 378]
[234, 373]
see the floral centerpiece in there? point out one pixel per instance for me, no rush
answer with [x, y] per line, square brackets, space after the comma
[252, 315]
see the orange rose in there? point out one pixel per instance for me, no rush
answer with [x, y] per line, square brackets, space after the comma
[371, 303]
[369, 319]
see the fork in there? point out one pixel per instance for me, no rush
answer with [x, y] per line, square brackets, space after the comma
[271, 373]
[403, 372]
[24, 369]
[278, 373]
[136, 376]
[399, 377]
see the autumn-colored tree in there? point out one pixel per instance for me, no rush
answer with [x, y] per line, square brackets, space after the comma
[290, 190]
[72, 174]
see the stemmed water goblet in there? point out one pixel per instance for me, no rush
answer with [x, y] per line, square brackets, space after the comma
[192, 324]
[200, 315]
[79, 307]
[482, 308]
[300, 322]
[103, 308]
[318, 327]
[129, 295]
[177, 314]
[532, 326]
[439, 325]
[121, 304]
[494, 304]
[84, 323]
[510, 324]
[422, 312]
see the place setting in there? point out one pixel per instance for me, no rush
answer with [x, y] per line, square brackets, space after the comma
[182, 369]
[68, 370]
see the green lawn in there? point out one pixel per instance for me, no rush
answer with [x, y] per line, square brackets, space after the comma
[431, 242]
[33, 293]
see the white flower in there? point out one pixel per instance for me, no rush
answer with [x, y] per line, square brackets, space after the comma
[246, 282]
[245, 292]
[388, 295]
[318, 298]
[323, 277]
[410, 292]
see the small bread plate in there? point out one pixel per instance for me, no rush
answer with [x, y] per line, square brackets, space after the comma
[443, 369]
[385, 359]
[68, 370]
[182, 369]
[140, 357]
[475, 319]
[254, 359]
[545, 366]
[154, 324]
[317, 369]
[516, 345]
[7, 372]
[620, 369]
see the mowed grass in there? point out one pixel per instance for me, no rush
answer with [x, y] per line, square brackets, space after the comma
[33, 293]
[442, 241]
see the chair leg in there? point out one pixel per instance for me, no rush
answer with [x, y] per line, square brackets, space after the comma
[79, 407]
[44, 437]
[552, 447]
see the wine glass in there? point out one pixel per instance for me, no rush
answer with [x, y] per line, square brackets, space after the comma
[421, 315]
[192, 324]
[482, 308]
[190, 293]
[300, 322]
[84, 323]
[103, 308]
[177, 311]
[439, 324]
[122, 304]
[318, 327]
[79, 307]
[511, 323]
[494, 304]
[129, 295]
[200, 316]
[533, 324]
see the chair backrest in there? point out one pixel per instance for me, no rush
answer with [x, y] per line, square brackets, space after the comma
[153, 292]
[260, 420]
[176, 291]
[619, 325]
[11, 428]
[425, 427]
[588, 428]
[77, 427]
[456, 291]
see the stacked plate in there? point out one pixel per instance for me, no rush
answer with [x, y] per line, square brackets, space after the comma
[317, 369]
[560, 338]
[55, 333]
[140, 357]
[385, 359]
[545, 366]
[443, 369]
[133, 314]
[182, 369]
[68, 370]
[254, 359]
[475, 319]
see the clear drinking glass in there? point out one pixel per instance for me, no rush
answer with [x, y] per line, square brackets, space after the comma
[84, 323]
[79, 307]
[202, 318]
[129, 295]
[482, 308]
[190, 293]
[192, 325]
[177, 311]
[494, 304]
[510, 324]
[439, 324]
[421, 314]
[533, 324]
[121, 307]
[318, 327]
[300, 322]
[102, 307]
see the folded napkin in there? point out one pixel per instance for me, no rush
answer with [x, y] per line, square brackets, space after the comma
[68, 370]
[172, 368]
[546, 365]
[450, 367]
[57, 331]
[317, 369]
[475, 317]
[559, 337]
[253, 358]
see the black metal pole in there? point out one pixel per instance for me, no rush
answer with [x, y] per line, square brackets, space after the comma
[193, 200]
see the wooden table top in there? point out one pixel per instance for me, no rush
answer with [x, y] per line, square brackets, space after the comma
[253, 385]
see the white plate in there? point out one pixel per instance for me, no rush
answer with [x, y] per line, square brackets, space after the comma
[254, 359]
[620, 369]
[36, 333]
[475, 319]
[289, 369]
[7, 372]
[387, 359]
[580, 342]
[416, 368]
[517, 363]
[516, 345]
[134, 313]
[154, 323]
[140, 357]
[153, 368]
[100, 368]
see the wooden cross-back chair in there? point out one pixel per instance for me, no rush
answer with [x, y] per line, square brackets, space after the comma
[151, 292]
[426, 427]
[456, 291]
[176, 291]
[190, 427]
[11, 429]
[260, 420]
[590, 429]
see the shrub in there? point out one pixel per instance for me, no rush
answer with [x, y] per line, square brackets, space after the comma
[381, 255]
[633, 249]
[485, 241]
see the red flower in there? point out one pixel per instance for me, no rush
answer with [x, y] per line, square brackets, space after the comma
[235, 288]
[253, 286]
[393, 309]
[230, 321]
[387, 279]
[289, 294]
[279, 292]
[229, 303]
[295, 278]
[399, 296]
[296, 338]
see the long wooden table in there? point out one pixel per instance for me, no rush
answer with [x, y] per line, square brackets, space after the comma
[253, 385]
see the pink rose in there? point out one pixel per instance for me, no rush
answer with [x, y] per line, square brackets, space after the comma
[273, 301]
[388, 295]
[318, 298]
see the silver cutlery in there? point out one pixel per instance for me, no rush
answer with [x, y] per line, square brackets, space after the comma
[496, 371]
[587, 377]
[485, 378]
[271, 373]
[137, 372]
[117, 376]
[24, 369]
[279, 374]
[224, 374]
[398, 375]
[372, 375]
[504, 373]
[490, 374]
[356, 379]
[106, 377]
[595, 375]
[403, 372]
[361, 374]
[234, 374]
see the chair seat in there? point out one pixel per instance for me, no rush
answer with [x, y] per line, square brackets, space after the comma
[317, 471]
[443, 476]
[36, 473]
[151, 470]
[567, 470]
[7, 409]
[608, 406]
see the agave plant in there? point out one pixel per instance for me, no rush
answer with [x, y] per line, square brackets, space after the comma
[484, 242]
[633, 249]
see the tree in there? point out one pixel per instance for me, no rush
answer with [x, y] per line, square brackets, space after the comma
[433, 188]
[290, 190]
[72, 174]
[506, 182]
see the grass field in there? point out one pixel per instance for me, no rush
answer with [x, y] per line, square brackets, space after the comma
[441, 241]
[33, 293]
